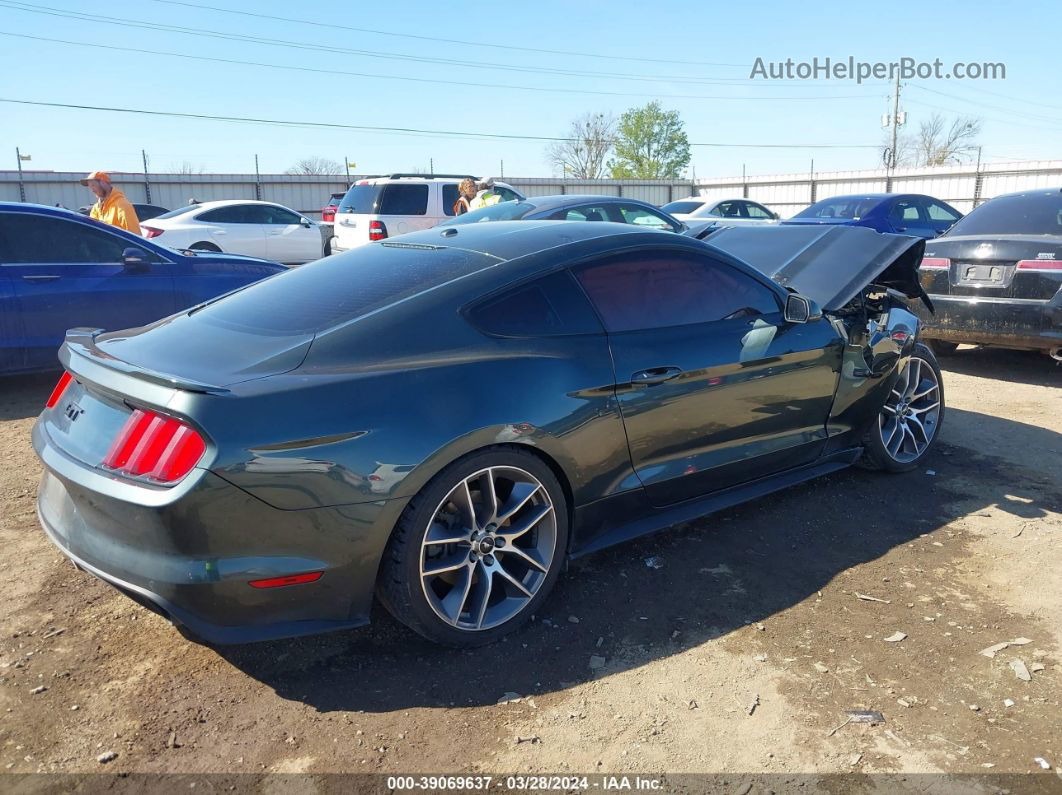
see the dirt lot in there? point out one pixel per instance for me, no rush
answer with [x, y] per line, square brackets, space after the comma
[756, 610]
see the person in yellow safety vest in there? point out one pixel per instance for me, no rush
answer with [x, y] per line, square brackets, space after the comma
[111, 206]
[486, 197]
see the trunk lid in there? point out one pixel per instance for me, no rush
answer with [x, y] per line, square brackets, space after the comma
[828, 263]
[997, 266]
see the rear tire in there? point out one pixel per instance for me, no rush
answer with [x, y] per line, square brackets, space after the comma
[497, 557]
[907, 426]
[202, 245]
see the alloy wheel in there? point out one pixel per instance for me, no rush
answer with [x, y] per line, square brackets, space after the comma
[488, 548]
[908, 420]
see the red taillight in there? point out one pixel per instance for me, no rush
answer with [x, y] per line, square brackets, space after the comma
[156, 447]
[377, 230]
[1040, 265]
[935, 263]
[294, 579]
[60, 388]
[328, 214]
[150, 231]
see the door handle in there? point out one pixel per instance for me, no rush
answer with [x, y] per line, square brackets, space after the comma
[42, 278]
[655, 375]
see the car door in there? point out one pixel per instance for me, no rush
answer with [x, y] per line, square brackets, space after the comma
[940, 216]
[67, 273]
[12, 347]
[715, 388]
[290, 238]
[238, 228]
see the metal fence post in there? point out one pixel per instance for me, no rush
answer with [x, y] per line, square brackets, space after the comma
[147, 181]
[257, 180]
[978, 180]
[21, 184]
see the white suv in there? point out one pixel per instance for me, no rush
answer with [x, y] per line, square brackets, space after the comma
[380, 207]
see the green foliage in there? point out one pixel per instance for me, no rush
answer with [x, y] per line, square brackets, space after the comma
[651, 144]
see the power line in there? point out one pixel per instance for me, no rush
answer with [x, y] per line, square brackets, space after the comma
[188, 31]
[1033, 116]
[413, 79]
[413, 130]
[1007, 122]
[317, 47]
[478, 44]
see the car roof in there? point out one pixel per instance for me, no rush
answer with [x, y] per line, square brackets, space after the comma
[230, 202]
[45, 209]
[1021, 194]
[509, 240]
[561, 200]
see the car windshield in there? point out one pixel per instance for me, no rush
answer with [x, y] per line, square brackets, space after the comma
[340, 288]
[179, 211]
[1037, 214]
[682, 207]
[848, 207]
[505, 211]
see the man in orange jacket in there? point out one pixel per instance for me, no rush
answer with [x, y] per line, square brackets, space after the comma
[111, 206]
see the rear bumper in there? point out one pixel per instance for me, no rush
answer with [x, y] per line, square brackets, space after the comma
[192, 559]
[1007, 322]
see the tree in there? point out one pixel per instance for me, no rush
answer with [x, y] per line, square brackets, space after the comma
[316, 165]
[937, 143]
[185, 169]
[584, 155]
[651, 144]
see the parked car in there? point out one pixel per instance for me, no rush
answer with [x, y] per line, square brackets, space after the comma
[328, 212]
[144, 212]
[376, 208]
[240, 226]
[898, 213]
[732, 211]
[59, 269]
[995, 277]
[524, 392]
[576, 208]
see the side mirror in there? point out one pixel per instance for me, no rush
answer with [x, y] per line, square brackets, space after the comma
[799, 309]
[776, 216]
[135, 258]
[307, 223]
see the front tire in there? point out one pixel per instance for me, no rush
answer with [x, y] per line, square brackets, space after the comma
[202, 245]
[908, 425]
[478, 549]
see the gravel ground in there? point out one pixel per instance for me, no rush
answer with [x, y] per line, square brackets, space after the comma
[742, 653]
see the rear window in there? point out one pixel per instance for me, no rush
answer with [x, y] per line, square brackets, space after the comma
[681, 207]
[848, 207]
[180, 211]
[404, 200]
[551, 306]
[1039, 214]
[360, 199]
[340, 288]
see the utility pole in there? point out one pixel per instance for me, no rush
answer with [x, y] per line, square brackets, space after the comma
[257, 180]
[346, 165]
[501, 172]
[431, 165]
[21, 184]
[147, 181]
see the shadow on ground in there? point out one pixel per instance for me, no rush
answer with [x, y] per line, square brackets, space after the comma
[23, 396]
[719, 574]
[1019, 367]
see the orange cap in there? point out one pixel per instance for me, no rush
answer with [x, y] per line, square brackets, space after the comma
[102, 176]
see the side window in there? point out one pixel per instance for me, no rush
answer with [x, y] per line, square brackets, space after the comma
[39, 239]
[938, 212]
[640, 216]
[233, 214]
[905, 213]
[449, 197]
[280, 216]
[727, 210]
[506, 194]
[398, 199]
[758, 211]
[660, 289]
[547, 307]
[585, 213]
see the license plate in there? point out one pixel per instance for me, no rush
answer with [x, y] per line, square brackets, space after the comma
[986, 274]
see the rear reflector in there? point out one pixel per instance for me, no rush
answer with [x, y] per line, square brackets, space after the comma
[935, 263]
[60, 388]
[1040, 265]
[377, 230]
[156, 447]
[294, 579]
[150, 231]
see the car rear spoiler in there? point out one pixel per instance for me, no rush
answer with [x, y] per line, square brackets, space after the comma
[82, 342]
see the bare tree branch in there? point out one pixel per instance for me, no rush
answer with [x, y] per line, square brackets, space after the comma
[316, 165]
[937, 143]
[585, 155]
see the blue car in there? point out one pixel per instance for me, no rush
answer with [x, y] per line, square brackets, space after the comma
[897, 213]
[60, 270]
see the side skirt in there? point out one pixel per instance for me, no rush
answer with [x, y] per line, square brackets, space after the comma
[662, 518]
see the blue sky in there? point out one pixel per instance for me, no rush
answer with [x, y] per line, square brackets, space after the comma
[696, 59]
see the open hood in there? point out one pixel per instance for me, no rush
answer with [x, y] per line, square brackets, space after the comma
[828, 264]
